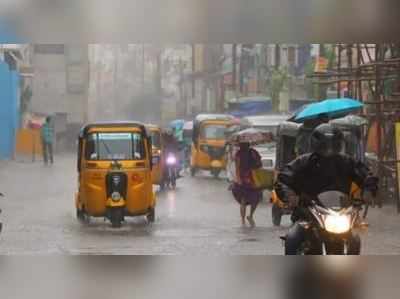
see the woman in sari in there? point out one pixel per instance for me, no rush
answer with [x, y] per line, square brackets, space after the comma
[247, 159]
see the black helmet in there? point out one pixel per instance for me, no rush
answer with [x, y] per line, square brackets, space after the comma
[327, 140]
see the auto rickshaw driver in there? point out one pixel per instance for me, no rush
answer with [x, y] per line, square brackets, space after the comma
[157, 151]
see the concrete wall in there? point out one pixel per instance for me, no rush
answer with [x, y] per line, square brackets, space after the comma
[60, 84]
[49, 84]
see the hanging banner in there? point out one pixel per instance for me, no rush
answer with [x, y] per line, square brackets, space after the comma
[321, 65]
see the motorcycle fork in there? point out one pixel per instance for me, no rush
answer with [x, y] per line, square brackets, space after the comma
[313, 244]
[335, 246]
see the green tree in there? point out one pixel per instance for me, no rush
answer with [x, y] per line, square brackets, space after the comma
[26, 97]
[278, 81]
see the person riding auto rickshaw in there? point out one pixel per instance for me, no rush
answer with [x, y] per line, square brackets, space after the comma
[289, 147]
[114, 167]
[208, 147]
[157, 151]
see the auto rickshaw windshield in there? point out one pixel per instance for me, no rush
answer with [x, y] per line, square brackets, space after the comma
[213, 131]
[115, 146]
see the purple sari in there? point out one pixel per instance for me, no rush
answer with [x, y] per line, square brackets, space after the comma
[246, 161]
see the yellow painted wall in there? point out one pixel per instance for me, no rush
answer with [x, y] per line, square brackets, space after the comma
[28, 141]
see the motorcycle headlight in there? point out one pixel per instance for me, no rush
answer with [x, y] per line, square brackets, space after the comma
[116, 196]
[337, 224]
[171, 160]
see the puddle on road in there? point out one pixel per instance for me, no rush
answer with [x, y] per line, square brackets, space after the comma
[249, 240]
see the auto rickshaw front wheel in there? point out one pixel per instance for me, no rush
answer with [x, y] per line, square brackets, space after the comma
[276, 215]
[151, 216]
[193, 171]
[116, 217]
[82, 216]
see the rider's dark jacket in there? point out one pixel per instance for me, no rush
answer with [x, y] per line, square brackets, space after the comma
[313, 174]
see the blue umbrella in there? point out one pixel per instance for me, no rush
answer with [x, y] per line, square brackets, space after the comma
[331, 108]
[296, 112]
[177, 124]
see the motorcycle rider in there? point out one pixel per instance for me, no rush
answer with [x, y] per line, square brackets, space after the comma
[325, 169]
[171, 146]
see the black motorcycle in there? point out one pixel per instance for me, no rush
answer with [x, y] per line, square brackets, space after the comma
[171, 172]
[329, 222]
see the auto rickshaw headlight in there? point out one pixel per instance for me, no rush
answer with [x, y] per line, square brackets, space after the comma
[116, 196]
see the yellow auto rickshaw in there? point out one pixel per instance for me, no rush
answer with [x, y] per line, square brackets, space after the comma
[157, 149]
[208, 146]
[114, 167]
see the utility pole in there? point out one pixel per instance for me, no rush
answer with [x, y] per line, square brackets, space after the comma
[241, 70]
[143, 69]
[277, 56]
[350, 67]
[234, 57]
[339, 66]
[158, 72]
[183, 98]
[193, 70]
[116, 93]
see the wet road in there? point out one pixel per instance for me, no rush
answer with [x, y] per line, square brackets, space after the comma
[199, 218]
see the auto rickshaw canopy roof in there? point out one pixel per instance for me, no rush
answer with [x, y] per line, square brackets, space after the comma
[116, 124]
[209, 117]
[204, 117]
[288, 128]
[349, 121]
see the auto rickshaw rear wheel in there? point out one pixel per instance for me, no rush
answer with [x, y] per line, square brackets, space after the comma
[215, 173]
[193, 171]
[162, 185]
[276, 215]
[151, 216]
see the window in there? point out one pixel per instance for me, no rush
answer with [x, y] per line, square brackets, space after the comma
[292, 55]
[115, 146]
[213, 132]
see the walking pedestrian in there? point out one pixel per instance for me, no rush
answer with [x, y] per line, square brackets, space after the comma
[244, 191]
[47, 133]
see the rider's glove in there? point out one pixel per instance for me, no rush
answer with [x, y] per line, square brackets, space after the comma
[291, 198]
